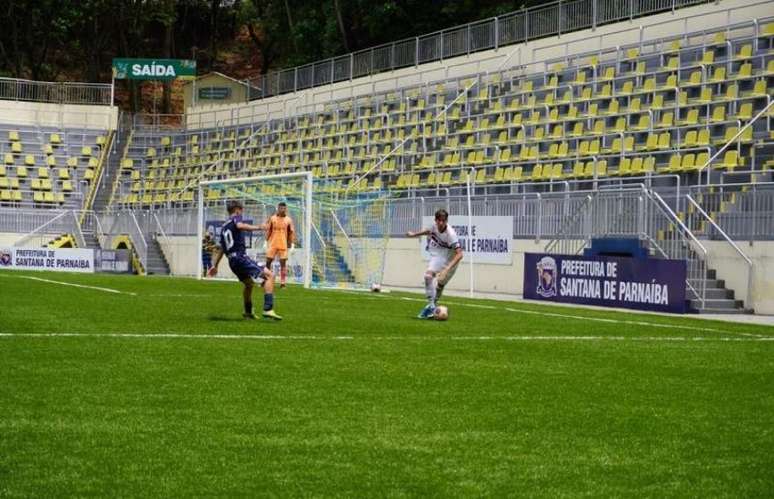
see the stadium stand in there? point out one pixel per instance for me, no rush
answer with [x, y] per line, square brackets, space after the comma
[45, 167]
[661, 107]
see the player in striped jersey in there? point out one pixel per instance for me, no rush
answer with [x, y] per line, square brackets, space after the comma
[445, 254]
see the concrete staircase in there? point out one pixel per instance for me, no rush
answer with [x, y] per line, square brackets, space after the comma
[157, 263]
[718, 299]
[112, 170]
[91, 241]
[333, 268]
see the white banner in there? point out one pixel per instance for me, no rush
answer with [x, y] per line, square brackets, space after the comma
[62, 260]
[491, 241]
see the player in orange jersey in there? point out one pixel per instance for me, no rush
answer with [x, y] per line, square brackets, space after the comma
[280, 236]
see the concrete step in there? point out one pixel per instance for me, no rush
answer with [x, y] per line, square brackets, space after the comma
[718, 304]
[709, 283]
[713, 294]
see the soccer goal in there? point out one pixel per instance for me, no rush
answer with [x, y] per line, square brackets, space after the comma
[340, 241]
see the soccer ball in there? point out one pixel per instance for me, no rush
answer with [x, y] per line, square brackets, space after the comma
[441, 313]
[376, 287]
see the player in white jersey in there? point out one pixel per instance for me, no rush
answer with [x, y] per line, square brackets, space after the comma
[445, 254]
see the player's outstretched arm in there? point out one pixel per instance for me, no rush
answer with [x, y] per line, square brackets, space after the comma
[418, 234]
[251, 227]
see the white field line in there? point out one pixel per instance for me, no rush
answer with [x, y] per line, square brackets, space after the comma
[61, 283]
[594, 319]
[525, 338]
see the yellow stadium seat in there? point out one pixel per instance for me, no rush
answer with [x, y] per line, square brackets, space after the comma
[55, 139]
[745, 52]
[730, 160]
[13, 136]
[16, 148]
[8, 158]
[72, 162]
[86, 151]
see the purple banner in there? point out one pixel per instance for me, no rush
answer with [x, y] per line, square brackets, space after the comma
[638, 283]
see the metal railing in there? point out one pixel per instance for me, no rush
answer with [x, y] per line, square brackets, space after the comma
[553, 19]
[641, 213]
[744, 211]
[697, 216]
[55, 92]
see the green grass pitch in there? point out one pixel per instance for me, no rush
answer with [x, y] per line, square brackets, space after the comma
[166, 390]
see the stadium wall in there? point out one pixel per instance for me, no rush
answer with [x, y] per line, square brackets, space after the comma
[404, 267]
[9, 238]
[533, 53]
[58, 115]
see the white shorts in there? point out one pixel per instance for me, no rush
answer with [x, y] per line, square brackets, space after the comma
[437, 264]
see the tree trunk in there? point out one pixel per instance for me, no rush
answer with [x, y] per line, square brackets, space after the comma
[214, 8]
[342, 28]
[291, 26]
[167, 97]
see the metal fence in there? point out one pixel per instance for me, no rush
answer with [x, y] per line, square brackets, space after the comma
[553, 19]
[55, 92]
[745, 212]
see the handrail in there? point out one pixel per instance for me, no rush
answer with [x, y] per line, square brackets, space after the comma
[720, 231]
[346, 236]
[535, 22]
[99, 232]
[161, 228]
[29, 235]
[730, 241]
[56, 92]
[144, 254]
[95, 186]
[319, 236]
[677, 220]
[732, 140]
[79, 239]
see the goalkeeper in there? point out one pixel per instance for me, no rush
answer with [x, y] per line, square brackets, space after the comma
[280, 235]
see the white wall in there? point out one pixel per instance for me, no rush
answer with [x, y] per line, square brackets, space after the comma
[182, 255]
[732, 268]
[692, 19]
[58, 115]
[405, 266]
[9, 238]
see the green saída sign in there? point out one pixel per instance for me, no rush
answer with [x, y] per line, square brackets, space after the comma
[153, 69]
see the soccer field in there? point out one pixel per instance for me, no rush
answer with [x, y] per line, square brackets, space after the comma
[156, 386]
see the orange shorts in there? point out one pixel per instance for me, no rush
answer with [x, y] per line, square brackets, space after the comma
[273, 252]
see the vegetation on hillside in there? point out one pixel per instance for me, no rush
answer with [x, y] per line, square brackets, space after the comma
[75, 40]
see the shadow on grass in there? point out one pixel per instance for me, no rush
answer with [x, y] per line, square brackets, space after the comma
[226, 318]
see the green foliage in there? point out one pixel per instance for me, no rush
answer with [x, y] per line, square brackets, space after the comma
[351, 396]
[76, 40]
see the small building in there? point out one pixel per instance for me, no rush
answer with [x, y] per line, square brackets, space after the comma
[214, 88]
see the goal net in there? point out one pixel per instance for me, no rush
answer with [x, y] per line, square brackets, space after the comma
[339, 241]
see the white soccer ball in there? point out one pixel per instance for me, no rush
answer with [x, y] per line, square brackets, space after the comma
[441, 313]
[376, 287]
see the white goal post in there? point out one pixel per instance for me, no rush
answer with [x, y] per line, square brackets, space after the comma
[236, 188]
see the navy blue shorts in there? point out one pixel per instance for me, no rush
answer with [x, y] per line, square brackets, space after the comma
[242, 266]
